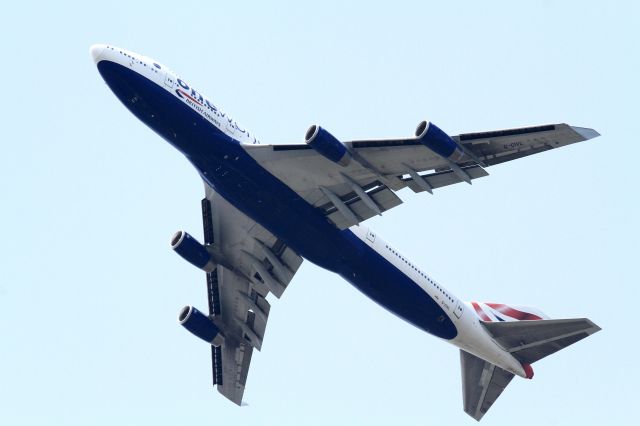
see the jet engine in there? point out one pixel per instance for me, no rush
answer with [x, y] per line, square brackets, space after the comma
[438, 141]
[327, 145]
[200, 325]
[192, 251]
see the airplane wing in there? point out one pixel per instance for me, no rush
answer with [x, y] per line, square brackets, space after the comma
[255, 264]
[482, 384]
[367, 186]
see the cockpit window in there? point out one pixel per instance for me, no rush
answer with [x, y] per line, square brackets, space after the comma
[156, 65]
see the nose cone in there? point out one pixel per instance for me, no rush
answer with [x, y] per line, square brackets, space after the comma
[96, 52]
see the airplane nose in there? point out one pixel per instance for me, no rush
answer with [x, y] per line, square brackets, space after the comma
[96, 51]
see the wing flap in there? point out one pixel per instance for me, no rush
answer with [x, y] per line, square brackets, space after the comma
[444, 178]
[260, 308]
[383, 197]
[236, 357]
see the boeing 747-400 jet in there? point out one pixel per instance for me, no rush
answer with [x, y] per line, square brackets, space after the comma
[266, 207]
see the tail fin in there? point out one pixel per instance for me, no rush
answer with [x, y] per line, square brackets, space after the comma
[500, 312]
[528, 341]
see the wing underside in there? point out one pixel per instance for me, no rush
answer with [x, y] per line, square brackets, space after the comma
[367, 186]
[253, 263]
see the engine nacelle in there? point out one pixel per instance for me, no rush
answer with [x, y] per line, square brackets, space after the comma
[192, 251]
[327, 145]
[200, 325]
[438, 141]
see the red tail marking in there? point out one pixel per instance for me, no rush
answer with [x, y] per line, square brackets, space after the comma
[480, 312]
[528, 370]
[513, 313]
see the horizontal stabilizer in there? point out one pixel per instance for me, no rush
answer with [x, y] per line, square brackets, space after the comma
[530, 341]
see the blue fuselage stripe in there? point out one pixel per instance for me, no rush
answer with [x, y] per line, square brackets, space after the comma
[225, 165]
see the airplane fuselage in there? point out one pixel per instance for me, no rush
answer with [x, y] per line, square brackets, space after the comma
[213, 143]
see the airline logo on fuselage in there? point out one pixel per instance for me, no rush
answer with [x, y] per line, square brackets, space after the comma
[207, 109]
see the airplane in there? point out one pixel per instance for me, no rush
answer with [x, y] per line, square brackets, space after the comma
[268, 207]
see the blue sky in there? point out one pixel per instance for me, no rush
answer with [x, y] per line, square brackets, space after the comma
[90, 289]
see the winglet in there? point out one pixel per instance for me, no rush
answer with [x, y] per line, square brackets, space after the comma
[586, 133]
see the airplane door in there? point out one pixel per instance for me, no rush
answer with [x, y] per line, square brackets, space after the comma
[169, 80]
[459, 310]
[371, 237]
[230, 126]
